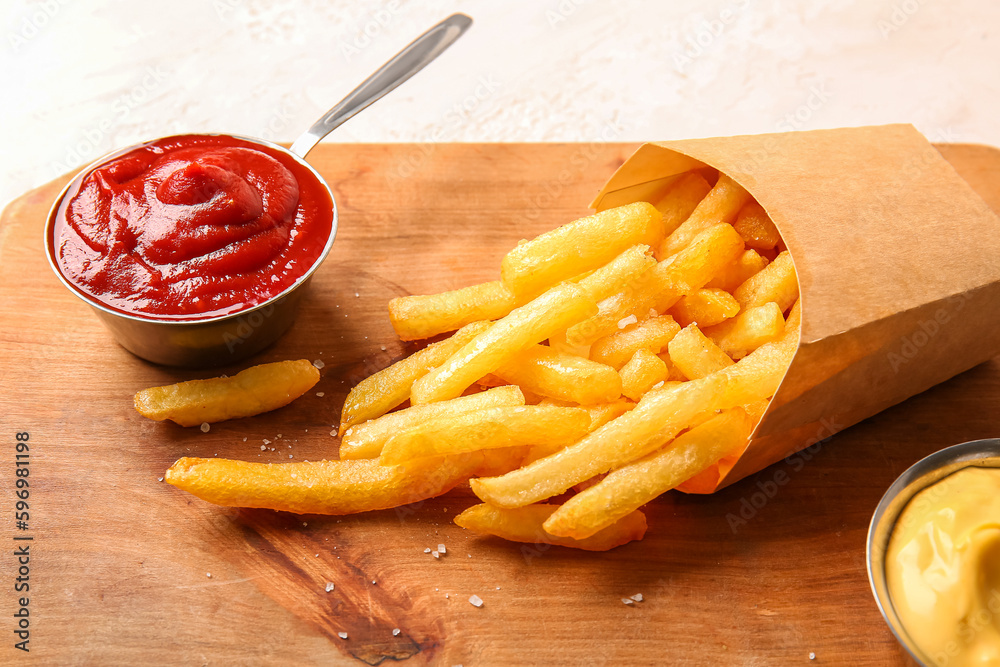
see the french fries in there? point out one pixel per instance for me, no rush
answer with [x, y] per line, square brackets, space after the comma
[546, 372]
[775, 283]
[416, 317]
[706, 307]
[557, 309]
[490, 428]
[722, 204]
[537, 265]
[614, 374]
[320, 487]
[377, 394]
[524, 524]
[695, 355]
[642, 372]
[617, 349]
[630, 487]
[748, 330]
[365, 440]
[250, 392]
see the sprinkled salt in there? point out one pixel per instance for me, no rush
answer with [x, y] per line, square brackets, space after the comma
[205, 427]
[208, 574]
[320, 394]
[304, 524]
[356, 295]
[395, 632]
[319, 363]
[289, 456]
[627, 600]
[625, 321]
[334, 433]
[812, 656]
[476, 601]
[342, 635]
[435, 554]
[159, 479]
[263, 448]
[441, 549]
[637, 597]
[329, 586]
[427, 550]
[266, 441]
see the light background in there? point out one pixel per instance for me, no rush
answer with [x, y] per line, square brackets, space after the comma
[80, 78]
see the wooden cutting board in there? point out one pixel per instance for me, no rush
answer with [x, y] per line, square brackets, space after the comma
[125, 569]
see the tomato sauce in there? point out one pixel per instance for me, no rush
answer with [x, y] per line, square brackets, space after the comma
[191, 227]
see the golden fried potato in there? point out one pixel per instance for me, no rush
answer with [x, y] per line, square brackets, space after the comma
[755, 226]
[722, 204]
[558, 342]
[524, 524]
[696, 355]
[657, 419]
[377, 394]
[424, 316]
[559, 308]
[630, 487]
[506, 426]
[619, 272]
[617, 349]
[706, 307]
[749, 330]
[777, 282]
[660, 287]
[643, 371]
[736, 273]
[681, 200]
[599, 416]
[320, 487]
[547, 372]
[250, 392]
[365, 440]
[537, 265]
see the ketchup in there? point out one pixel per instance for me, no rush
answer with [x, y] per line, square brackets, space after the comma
[191, 226]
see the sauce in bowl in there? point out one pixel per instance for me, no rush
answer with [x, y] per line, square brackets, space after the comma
[191, 227]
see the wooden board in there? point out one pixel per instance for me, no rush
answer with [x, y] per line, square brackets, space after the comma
[759, 573]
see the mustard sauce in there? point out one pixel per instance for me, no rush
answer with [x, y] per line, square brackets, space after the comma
[943, 568]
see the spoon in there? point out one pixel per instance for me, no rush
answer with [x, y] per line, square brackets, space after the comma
[403, 65]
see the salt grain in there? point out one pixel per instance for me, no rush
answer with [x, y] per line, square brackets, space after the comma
[320, 394]
[319, 363]
[342, 635]
[329, 586]
[208, 574]
[637, 597]
[395, 632]
[263, 448]
[266, 441]
[427, 550]
[160, 479]
[627, 600]
[812, 656]
[441, 549]
[476, 601]
[436, 554]
[625, 321]
[205, 427]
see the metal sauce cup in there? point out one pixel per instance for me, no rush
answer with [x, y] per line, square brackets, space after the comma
[197, 342]
[919, 476]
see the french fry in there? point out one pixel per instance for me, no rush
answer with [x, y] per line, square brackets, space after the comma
[610, 278]
[537, 265]
[642, 373]
[599, 416]
[722, 204]
[696, 355]
[618, 348]
[378, 393]
[749, 330]
[674, 374]
[662, 285]
[681, 199]
[558, 342]
[250, 392]
[319, 487]
[735, 274]
[777, 282]
[547, 372]
[657, 419]
[756, 227]
[365, 440]
[501, 461]
[706, 307]
[415, 317]
[630, 487]
[491, 428]
[524, 524]
[557, 309]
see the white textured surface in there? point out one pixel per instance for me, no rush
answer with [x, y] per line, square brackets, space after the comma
[82, 78]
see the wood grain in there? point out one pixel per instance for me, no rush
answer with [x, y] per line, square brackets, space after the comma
[759, 573]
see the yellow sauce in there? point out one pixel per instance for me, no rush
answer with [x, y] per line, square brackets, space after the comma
[943, 568]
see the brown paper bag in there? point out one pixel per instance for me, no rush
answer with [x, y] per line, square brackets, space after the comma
[898, 261]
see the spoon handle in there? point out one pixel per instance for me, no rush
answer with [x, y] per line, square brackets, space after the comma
[403, 65]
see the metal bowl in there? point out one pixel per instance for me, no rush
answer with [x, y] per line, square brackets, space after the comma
[198, 342]
[919, 476]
